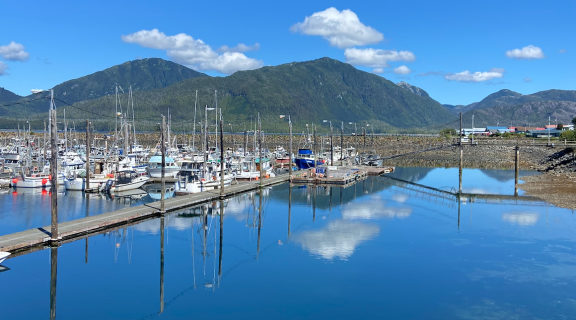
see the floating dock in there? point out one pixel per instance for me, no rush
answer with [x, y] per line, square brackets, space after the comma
[330, 176]
[81, 227]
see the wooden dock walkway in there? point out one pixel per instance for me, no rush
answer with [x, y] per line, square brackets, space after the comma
[77, 228]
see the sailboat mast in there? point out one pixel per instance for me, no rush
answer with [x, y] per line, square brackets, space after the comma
[194, 123]
[216, 119]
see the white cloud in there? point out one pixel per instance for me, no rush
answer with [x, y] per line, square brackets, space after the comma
[528, 52]
[14, 52]
[338, 239]
[240, 48]
[562, 51]
[527, 79]
[342, 29]
[376, 58]
[378, 70]
[402, 70]
[184, 49]
[3, 69]
[466, 76]
[521, 218]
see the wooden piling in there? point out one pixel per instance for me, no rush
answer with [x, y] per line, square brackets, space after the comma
[163, 171]
[53, 177]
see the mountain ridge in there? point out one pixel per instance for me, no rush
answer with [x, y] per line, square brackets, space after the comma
[142, 74]
[309, 91]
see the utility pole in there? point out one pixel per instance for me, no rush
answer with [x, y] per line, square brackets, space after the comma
[53, 172]
[548, 130]
[245, 141]
[260, 148]
[460, 133]
[44, 144]
[87, 185]
[125, 136]
[331, 145]
[222, 163]
[290, 147]
[364, 134]
[315, 146]
[342, 144]
[163, 182]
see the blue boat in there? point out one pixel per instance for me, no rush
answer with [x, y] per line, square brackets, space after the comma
[306, 159]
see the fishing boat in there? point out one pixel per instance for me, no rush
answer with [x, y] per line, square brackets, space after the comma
[125, 180]
[3, 256]
[250, 169]
[154, 168]
[306, 159]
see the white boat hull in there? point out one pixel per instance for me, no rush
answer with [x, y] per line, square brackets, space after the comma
[135, 184]
[168, 172]
[181, 188]
[79, 184]
[3, 256]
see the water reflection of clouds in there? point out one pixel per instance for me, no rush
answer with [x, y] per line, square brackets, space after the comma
[375, 208]
[338, 239]
[400, 197]
[475, 191]
[153, 226]
[521, 218]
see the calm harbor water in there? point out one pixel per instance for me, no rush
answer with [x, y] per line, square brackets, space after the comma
[377, 249]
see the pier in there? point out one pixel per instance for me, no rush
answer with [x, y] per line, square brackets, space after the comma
[81, 227]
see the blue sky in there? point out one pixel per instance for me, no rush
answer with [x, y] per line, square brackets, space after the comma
[436, 42]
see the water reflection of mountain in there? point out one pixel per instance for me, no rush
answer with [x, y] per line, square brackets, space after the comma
[506, 175]
[412, 174]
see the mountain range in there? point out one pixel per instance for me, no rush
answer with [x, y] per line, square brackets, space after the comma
[311, 91]
[510, 108]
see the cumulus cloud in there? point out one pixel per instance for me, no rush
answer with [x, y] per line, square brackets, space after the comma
[14, 52]
[528, 52]
[342, 29]
[402, 70]
[376, 58]
[338, 239]
[184, 49]
[527, 79]
[467, 76]
[240, 48]
[378, 70]
[3, 69]
[562, 51]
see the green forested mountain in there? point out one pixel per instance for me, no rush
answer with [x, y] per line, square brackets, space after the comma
[7, 96]
[530, 113]
[312, 91]
[142, 75]
[507, 97]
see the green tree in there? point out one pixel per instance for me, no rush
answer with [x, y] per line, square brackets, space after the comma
[574, 121]
[568, 135]
[559, 126]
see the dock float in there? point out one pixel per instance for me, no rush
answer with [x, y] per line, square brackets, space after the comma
[69, 230]
[337, 175]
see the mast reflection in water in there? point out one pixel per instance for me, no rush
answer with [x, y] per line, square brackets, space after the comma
[287, 246]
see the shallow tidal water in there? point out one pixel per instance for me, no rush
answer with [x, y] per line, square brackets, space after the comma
[378, 249]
